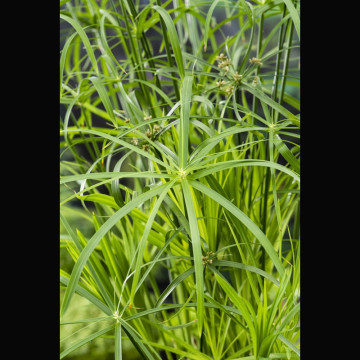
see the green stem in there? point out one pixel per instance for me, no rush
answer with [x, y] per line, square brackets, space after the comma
[135, 59]
[247, 54]
[263, 209]
[146, 47]
[255, 103]
[296, 230]
[278, 59]
[285, 66]
[168, 52]
[257, 71]
[126, 46]
[71, 148]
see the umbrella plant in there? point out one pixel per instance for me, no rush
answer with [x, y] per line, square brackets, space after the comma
[180, 152]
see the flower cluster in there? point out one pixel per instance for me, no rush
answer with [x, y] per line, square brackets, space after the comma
[255, 61]
[220, 83]
[156, 128]
[221, 57]
[224, 62]
[229, 90]
[237, 78]
[149, 134]
[208, 259]
[135, 141]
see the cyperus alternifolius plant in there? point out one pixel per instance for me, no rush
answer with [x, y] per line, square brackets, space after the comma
[180, 185]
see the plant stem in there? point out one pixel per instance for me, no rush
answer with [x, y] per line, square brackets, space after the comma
[168, 53]
[285, 66]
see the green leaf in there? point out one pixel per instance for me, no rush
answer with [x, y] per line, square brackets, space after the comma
[95, 239]
[177, 306]
[226, 309]
[64, 53]
[204, 148]
[136, 340]
[144, 236]
[273, 104]
[246, 267]
[79, 289]
[294, 16]
[213, 168]
[289, 344]
[100, 88]
[185, 99]
[115, 189]
[173, 285]
[84, 38]
[121, 142]
[253, 228]
[94, 266]
[100, 199]
[196, 245]
[207, 22]
[173, 38]
[286, 153]
[105, 43]
[86, 340]
[91, 320]
[247, 10]
[238, 302]
[114, 175]
[118, 350]
[157, 257]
